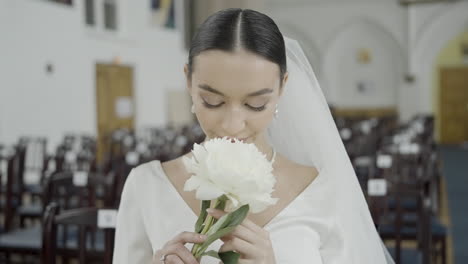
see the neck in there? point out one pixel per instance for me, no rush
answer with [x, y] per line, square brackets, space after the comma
[264, 147]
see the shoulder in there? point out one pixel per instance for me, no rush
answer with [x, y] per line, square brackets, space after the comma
[289, 167]
[145, 173]
[174, 170]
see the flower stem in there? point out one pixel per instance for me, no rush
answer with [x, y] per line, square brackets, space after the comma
[219, 203]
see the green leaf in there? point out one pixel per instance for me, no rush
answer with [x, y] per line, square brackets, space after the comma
[220, 224]
[239, 215]
[232, 219]
[212, 238]
[201, 218]
[211, 253]
[229, 257]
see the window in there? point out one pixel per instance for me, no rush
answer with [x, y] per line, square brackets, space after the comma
[89, 12]
[163, 13]
[101, 15]
[110, 15]
[67, 2]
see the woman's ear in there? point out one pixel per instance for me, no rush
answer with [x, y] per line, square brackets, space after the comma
[283, 83]
[188, 78]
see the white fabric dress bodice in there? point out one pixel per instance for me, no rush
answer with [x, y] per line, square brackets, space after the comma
[152, 212]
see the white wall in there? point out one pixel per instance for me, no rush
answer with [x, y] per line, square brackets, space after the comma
[332, 32]
[35, 33]
[432, 28]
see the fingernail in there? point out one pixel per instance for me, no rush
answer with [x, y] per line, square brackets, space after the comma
[210, 210]
[202, 236]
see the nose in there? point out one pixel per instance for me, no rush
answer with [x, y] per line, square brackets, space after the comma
[233, 122]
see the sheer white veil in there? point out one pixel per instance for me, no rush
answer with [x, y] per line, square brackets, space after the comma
[305, 132]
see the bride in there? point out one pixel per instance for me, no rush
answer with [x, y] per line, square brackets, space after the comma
[249, 82]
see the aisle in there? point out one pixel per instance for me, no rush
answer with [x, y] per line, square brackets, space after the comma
[455, 171]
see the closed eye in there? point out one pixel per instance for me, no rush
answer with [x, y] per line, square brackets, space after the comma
[211, 105]
[257, 109]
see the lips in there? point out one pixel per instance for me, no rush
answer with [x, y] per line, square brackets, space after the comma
[239, 139]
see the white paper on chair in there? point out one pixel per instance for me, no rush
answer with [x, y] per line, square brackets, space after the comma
[384, 161]
[107, 218]
[124, 107]
[51, 166]
[70, 157]
[3, 170]
[132, 158]
[345, 133]
[3, 167]
[32, 177]
[80, 178]
[142, 148]
[363, 161]
[414, 148]
[377, 187]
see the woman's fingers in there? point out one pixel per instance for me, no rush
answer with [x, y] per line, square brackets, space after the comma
[187, 237]
[173, 259]
[170, 258]
[246, 223]
[175, 250]
[181, 252]
[241, 246]
[241, 232]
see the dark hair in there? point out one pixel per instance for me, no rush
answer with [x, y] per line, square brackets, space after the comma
[234, 28]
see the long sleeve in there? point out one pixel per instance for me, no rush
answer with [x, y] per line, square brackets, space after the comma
[131, 240]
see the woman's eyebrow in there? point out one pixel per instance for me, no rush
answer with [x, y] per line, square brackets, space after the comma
[208, 88]
[260, 92]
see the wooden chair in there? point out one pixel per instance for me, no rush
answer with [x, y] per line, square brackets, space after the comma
[86, 219]
[422, 253]
[19, 241]
[61, 190]
[407, 209]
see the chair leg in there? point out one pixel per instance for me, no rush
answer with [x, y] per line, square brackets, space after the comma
[444, 250]
[21, 221]
[8, 257]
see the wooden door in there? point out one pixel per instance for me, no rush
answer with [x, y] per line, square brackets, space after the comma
[114, 102]
[453, 101]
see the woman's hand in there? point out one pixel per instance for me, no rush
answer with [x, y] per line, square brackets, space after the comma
[176, 252]
[249, 240]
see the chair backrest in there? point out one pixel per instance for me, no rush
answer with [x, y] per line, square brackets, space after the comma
[86, 219]
[13, 190]
[401, 192]
[70, 190]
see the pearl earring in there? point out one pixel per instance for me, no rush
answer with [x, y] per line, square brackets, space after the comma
[192, 109]
[276, 111]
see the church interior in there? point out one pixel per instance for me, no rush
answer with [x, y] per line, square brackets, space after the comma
[90, 89]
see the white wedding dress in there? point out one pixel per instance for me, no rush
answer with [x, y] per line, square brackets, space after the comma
[152, 212]
[329, 222]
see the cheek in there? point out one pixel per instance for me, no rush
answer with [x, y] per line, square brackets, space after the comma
[261, 121]
[208, 120]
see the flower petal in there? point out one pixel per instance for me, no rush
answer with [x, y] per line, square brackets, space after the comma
[192, 183]
[208, 191]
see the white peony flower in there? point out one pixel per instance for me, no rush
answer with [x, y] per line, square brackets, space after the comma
[232, 168]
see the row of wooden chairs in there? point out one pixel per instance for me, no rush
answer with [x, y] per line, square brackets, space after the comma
[398, 169]
[56, 191]
[61, 187]
[65, 191]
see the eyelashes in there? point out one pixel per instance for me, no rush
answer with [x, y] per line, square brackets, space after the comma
[207, 105]
[257, 109]
[253, 108]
